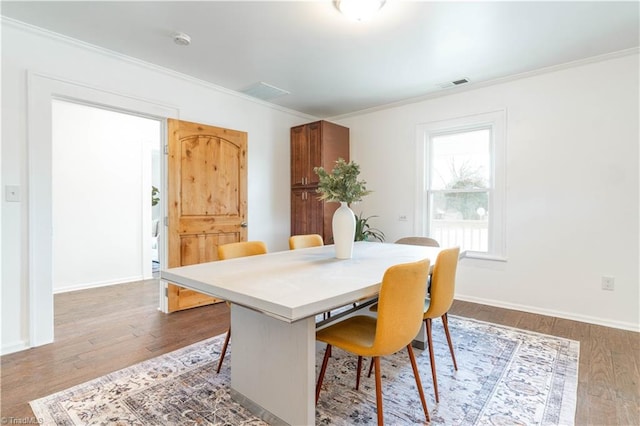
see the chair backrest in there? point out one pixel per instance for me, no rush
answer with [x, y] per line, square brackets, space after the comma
[418, 241]
[304, 241]
[241, 249]
[443, 283]
[400, 306]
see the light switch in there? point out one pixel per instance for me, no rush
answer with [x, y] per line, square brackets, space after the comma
[12, 193]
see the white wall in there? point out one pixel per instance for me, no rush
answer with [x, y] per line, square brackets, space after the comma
[572, 188]
[101, 191]
[572, 173]
[30, 50]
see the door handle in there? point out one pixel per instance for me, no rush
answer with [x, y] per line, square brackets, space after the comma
[244, 224]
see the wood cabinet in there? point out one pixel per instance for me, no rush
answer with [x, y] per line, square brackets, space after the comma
[306, 212]
[315, 144]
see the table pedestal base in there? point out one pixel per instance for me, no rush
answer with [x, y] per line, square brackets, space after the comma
[273, 366]
[420, 342]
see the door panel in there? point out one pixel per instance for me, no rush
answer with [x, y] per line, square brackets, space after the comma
[315, 152]
[306, 210]
[207, 198]
[299, 155]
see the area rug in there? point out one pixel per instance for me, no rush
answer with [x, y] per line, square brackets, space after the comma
[505, 376]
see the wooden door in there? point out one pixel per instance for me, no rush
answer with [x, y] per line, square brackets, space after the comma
[207, 180]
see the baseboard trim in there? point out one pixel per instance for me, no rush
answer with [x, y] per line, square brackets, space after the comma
[14, 347]
[96, 284]
[553, 313]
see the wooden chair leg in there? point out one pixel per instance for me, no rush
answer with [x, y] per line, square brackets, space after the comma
[370, 368]
[358, 372]
[445, 322]
[376, 361]
[432, 358]
[325, 360]
[416, 374]
[224, 349]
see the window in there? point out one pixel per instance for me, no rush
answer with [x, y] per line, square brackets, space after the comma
[461, 183]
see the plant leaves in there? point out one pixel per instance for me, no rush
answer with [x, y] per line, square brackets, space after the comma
[342, 183]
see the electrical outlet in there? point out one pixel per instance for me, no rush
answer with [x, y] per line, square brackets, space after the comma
[402, 218]
[608, 283]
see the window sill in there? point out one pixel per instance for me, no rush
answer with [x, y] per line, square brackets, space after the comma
[481, 256]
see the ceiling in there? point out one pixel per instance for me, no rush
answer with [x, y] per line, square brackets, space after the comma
[333, 66]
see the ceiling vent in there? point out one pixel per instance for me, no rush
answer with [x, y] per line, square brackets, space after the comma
[264, 91]
[453, 83]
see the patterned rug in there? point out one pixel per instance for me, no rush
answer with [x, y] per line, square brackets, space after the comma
[505, 377]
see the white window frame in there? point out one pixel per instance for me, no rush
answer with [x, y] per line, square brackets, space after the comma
[496, 121]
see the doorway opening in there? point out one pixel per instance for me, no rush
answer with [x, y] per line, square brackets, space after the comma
[106, 196]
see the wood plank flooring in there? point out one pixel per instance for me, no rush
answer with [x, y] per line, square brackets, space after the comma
[102, 330]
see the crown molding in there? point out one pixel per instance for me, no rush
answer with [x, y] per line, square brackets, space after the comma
[148, 65]
[493, 82]
[441, 93]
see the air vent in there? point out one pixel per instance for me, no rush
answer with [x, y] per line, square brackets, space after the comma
[264, 91]
[453, 83]
[459, 82]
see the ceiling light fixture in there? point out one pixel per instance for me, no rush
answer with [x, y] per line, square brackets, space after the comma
[359, 10]
[181, 39]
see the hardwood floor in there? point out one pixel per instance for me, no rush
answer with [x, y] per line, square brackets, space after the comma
[98, 331]
[102, 330]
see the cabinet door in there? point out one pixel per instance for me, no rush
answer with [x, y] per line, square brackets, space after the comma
[306, 212]
[299, 155]
[315, 147]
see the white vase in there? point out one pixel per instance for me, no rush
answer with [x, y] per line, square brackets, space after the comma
[344, 230]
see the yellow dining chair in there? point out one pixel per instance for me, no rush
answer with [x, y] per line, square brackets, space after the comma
[399, 319]
[241, 249]
[443, 282]
[420, 241]
[230, 251]
[304, 241]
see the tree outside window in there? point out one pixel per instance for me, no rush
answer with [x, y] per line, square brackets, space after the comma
[461, 177]
[459, 188]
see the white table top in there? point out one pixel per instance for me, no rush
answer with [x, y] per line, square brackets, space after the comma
[295, 284]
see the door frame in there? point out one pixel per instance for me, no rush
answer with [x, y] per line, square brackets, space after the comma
[41, 90]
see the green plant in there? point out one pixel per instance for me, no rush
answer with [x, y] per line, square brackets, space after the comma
[154, 195]
[364, 231]
[342, 183]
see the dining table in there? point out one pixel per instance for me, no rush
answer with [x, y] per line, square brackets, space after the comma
[275, 299]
